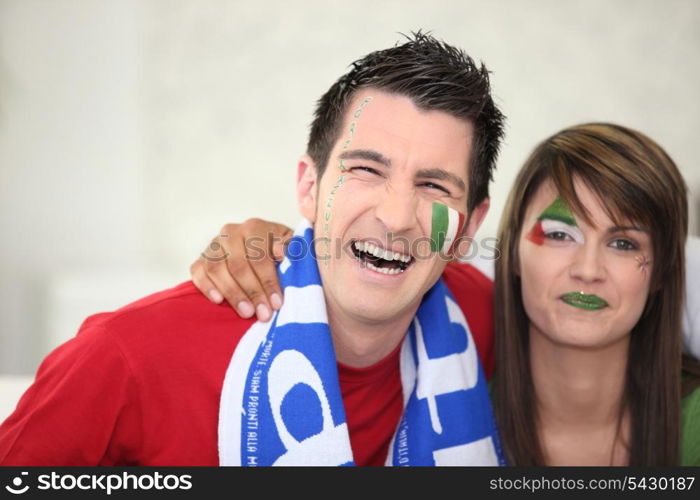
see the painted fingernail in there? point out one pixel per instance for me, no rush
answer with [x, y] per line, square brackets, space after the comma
[245, 309]
[276, 301]
[215, 296]
[263, 312]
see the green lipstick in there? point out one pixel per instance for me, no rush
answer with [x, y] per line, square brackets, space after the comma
[584, 301]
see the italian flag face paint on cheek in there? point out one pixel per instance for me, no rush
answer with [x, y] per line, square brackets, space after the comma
[447, 226]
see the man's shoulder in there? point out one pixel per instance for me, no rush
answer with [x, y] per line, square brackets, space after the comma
[177, 317]
[137, 385]
[181, 305]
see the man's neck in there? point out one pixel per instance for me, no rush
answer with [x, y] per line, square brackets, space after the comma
[360, 343]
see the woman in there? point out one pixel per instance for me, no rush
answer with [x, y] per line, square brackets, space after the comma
[589, 290]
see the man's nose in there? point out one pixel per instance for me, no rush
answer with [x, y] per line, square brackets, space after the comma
[588, 265]
[397, 209]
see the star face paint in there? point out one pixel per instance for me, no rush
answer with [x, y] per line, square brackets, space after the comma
[643, 263]
[557, 219]
[446, 228]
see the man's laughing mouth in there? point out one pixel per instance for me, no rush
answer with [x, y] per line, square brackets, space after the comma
[380, 259]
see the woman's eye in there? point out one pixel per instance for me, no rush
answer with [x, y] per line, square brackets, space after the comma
[558, 236]
[432, 185]
[621, 244]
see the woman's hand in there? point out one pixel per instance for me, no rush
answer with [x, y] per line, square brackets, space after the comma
[239, 266]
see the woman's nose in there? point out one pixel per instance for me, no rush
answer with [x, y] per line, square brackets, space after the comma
[588, 265]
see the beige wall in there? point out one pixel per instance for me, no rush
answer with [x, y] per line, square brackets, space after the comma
[131, 130]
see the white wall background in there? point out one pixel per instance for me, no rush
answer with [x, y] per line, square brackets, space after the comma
[131, 130]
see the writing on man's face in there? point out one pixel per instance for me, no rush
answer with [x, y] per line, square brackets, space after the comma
[328, 212]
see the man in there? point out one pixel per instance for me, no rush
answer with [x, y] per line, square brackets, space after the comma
[400, 148]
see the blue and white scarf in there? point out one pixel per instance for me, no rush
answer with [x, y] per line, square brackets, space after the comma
[281, 402]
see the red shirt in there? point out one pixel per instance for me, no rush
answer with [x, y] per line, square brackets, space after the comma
[141, 385]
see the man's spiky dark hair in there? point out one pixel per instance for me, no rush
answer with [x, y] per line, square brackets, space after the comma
[435, 76]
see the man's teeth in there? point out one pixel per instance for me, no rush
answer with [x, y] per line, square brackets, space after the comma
[364, 246]
[383, 270]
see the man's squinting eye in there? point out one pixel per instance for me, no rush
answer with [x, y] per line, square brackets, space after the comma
[363, 170]
[624, 244]
[437, 187]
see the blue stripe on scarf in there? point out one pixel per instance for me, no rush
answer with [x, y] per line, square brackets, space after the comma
[472, 425]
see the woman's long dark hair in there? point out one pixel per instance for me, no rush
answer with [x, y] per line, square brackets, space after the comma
[636, 181]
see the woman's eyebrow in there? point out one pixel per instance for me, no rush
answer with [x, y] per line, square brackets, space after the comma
[619, 229]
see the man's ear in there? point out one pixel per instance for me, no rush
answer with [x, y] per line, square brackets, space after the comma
[476, 217]
[307, 187]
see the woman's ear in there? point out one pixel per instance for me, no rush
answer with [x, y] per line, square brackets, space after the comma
[307, 187]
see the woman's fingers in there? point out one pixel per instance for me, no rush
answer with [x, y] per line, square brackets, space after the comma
[239, 266]
[263, 257]
[279, 243]
[204, 284]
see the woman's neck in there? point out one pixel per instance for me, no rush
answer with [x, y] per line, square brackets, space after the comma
[579, 396]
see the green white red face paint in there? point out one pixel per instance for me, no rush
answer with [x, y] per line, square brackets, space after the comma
[446, 228]
[556, 218]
